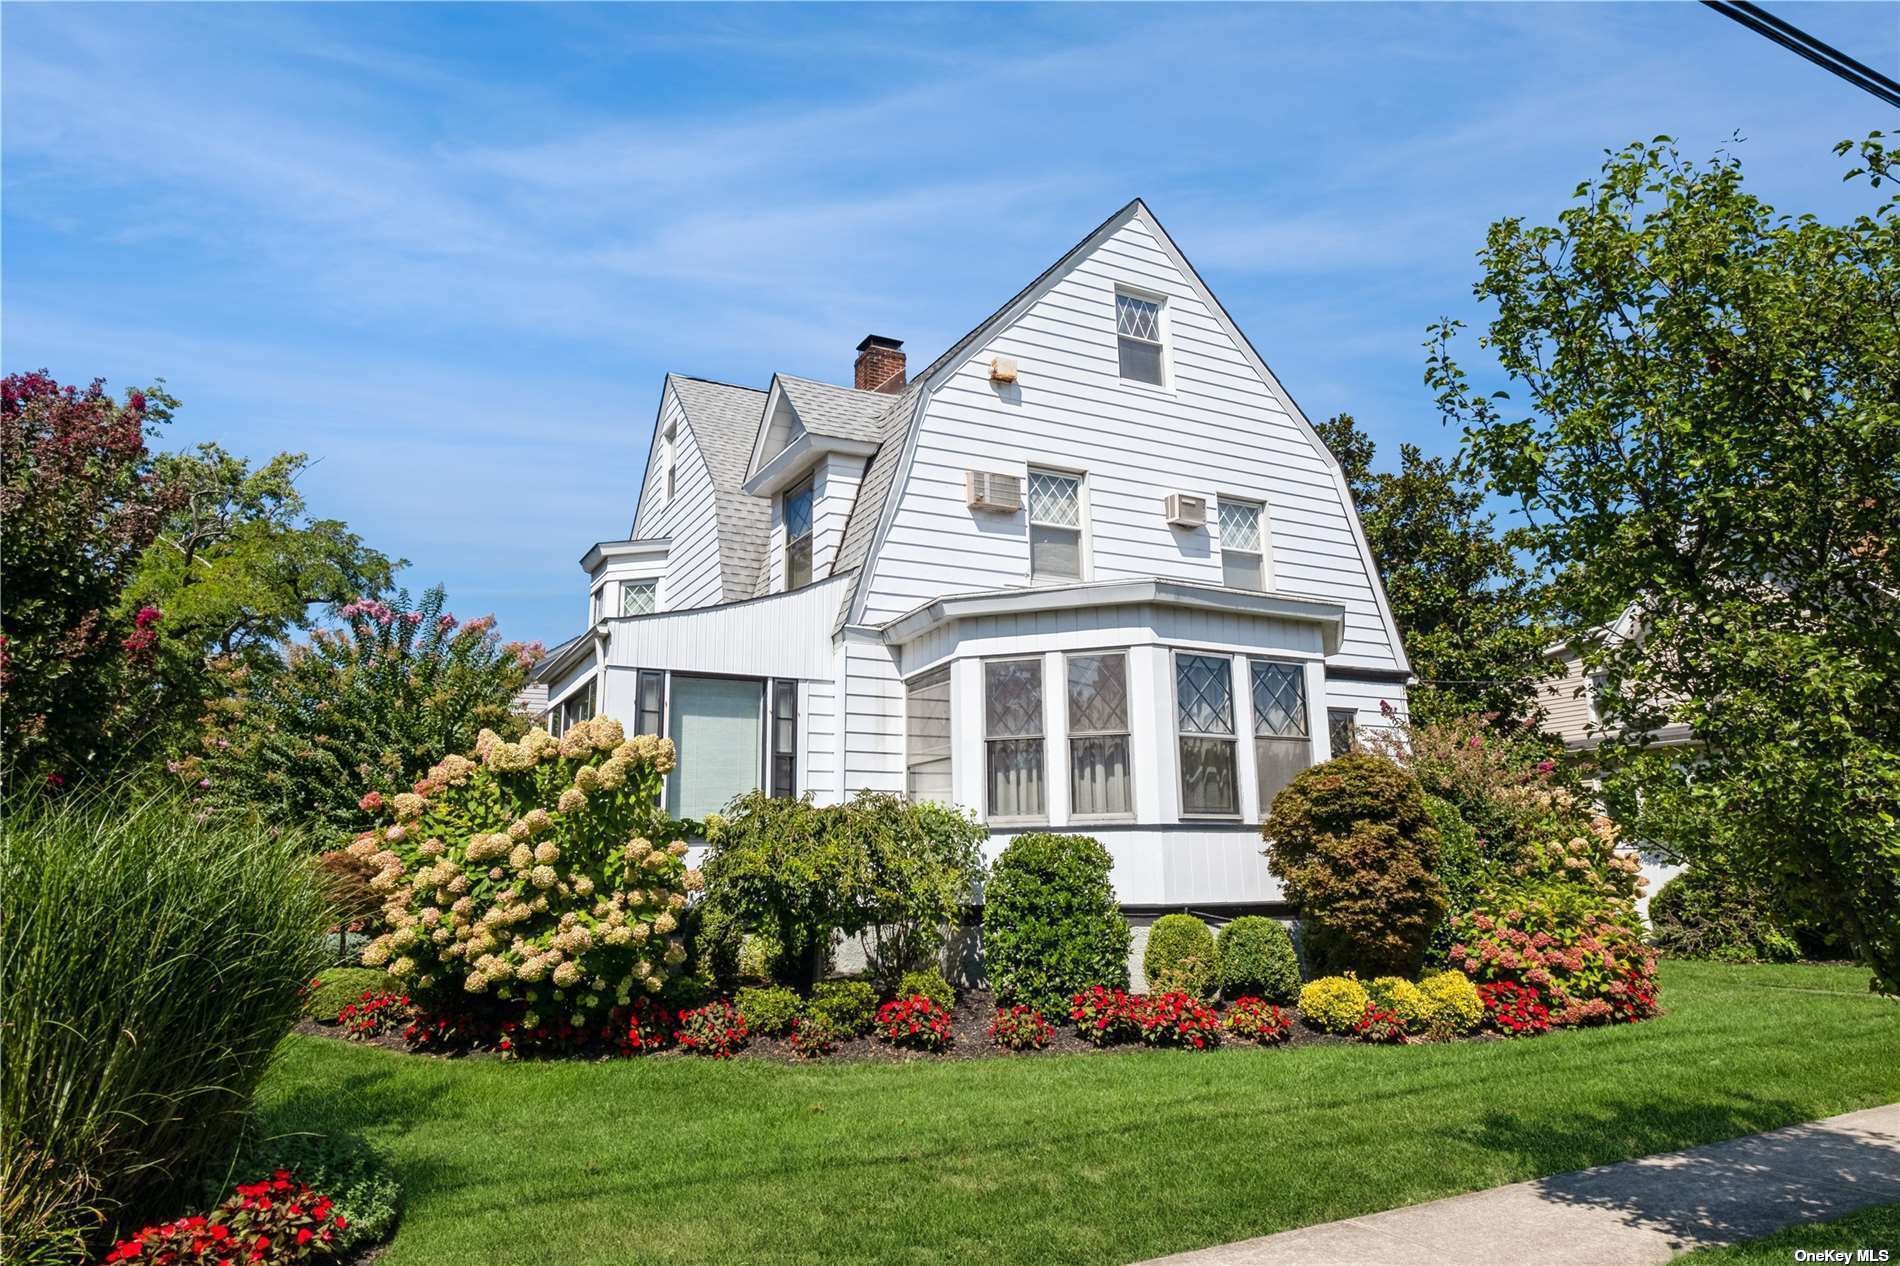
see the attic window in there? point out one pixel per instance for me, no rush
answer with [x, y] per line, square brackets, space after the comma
[1138, 338]
[798, 536]
[666, 464]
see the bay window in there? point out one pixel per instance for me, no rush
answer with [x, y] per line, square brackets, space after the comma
[1098, 735]
[1013, 734]
[1342, 729]
[1204, 728]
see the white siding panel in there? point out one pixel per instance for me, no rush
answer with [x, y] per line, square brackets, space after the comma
[1566, 702]
[786, 635]
[818, 724]
[1218, 430]
[689, 517]
[873, 717]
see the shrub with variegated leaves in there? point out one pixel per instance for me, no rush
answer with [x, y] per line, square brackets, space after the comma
[537, 881]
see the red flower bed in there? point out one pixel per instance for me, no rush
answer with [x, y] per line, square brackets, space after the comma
[1019, 1028]
[1259, 1021]
[373, 1015]
[1176, 1019]
[812, 1036]
[716, 1029]
[1379, 1025]
[278, 1220]
[916, 1022]
[1105, 1016]
[1513, 1009]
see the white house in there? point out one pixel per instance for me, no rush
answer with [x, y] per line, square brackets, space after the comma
[1089, 570]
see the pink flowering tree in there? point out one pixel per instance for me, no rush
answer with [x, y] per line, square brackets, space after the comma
[365, 707]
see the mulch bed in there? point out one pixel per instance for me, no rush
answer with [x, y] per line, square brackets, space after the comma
[973, 1013]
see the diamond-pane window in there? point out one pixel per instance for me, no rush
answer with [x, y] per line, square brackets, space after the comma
[798, 511]
[637, 597]
[1240, 526]
[1137, 318]
[1204, 694]
[1279, 700]
[1012, 698]
[1055, 499]
[1098, 694]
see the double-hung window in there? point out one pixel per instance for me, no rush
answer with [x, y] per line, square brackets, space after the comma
[785, 739]
[1282, 745]
[1012, 732]
[927, 760]
[1055, 526]
[639, 597]
[798, 536]
[1204, 725]
[1242, 546]
[649, 707]
[1138, 339]
[1098, 735]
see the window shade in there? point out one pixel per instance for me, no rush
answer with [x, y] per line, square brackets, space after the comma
[717, 729]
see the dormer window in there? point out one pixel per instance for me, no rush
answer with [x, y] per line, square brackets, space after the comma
[798, 535]
[1138, 339]
[639, 597]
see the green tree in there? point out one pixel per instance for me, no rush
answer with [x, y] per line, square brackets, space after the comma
[365, 708]
[80, 503]
[1462, 601]
[238, 565]
[1711, 431]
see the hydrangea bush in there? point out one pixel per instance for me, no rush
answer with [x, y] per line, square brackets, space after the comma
[537, 881]
[1583, 957]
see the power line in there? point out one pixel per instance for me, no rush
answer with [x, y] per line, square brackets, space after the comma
[1822, 54]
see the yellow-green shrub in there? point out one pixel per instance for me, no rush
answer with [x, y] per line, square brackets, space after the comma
[1454, 1002]
[1333, 1004]
[539, 876]
[1402, 998]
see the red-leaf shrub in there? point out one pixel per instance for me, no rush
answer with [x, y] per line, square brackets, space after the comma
[915, 1022]
[1175, 1019]
[1380, 1025]
[1019, 1028]
[1105, 1016]
[373, 1015]
[277, 1220]
[812, 1036]
[1259, 1021]
[1513, 1009]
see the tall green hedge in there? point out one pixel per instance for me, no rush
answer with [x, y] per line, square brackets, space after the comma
[1051, 924]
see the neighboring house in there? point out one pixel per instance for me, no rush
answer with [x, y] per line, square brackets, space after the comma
[1089, 570]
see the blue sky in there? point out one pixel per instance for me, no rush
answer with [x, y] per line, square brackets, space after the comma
[450, 251]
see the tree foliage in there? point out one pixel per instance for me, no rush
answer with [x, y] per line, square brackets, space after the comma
[1710, 431]
[80, 504]
[368, 707]
[1462, 601]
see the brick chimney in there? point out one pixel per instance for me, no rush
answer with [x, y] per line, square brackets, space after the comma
[880, 364]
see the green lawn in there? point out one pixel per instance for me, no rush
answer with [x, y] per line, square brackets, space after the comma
[1869, 1229]
[1099, 1159]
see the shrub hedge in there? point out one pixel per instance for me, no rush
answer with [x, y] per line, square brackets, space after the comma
[848, 1006]
[1708, 913]
[1257, 958]
[1180, 957]
[929, 983]
[1051, 925]
[1333, 1004]
[337, 987]
[768, 1009]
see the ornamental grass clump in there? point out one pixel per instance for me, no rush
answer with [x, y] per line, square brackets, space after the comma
[153, 961]
[536, 882]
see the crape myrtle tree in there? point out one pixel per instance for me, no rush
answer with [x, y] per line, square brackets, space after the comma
[1463, 602]
[1705, 422]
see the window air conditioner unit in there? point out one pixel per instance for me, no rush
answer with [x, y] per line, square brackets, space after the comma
[1185, 511]
[985, 491]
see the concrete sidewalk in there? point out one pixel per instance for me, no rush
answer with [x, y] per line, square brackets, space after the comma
[1629, 1214]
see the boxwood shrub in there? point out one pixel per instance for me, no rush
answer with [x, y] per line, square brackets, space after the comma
[768, 1010]
[848, 1006]
[1257, 960]
[1180, 957]
[338, 987]
[929, 984]
[1051, 925]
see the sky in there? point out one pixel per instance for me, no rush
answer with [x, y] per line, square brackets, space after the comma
[449, 251]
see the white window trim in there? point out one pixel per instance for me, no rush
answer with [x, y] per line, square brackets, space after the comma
[1259, 504]
[620, 607]
[1085, 540]
[1040, 660]
[1235, 665]
[1164, 321]
[1068, 735]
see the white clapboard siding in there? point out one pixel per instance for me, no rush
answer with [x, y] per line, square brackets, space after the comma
[873, 748]
[1218, 430]
[1565, 699]
[784, 635]
[818, 724]
[834, 488]
[1365, 699]
[689, 518]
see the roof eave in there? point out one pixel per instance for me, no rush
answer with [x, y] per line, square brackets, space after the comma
[600, 551]
[800, 456]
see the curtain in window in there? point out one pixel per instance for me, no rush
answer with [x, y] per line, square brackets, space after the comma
[1012, 711]
[716, 726]
[927, 737]
[1098, 735]
[1204, 703]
